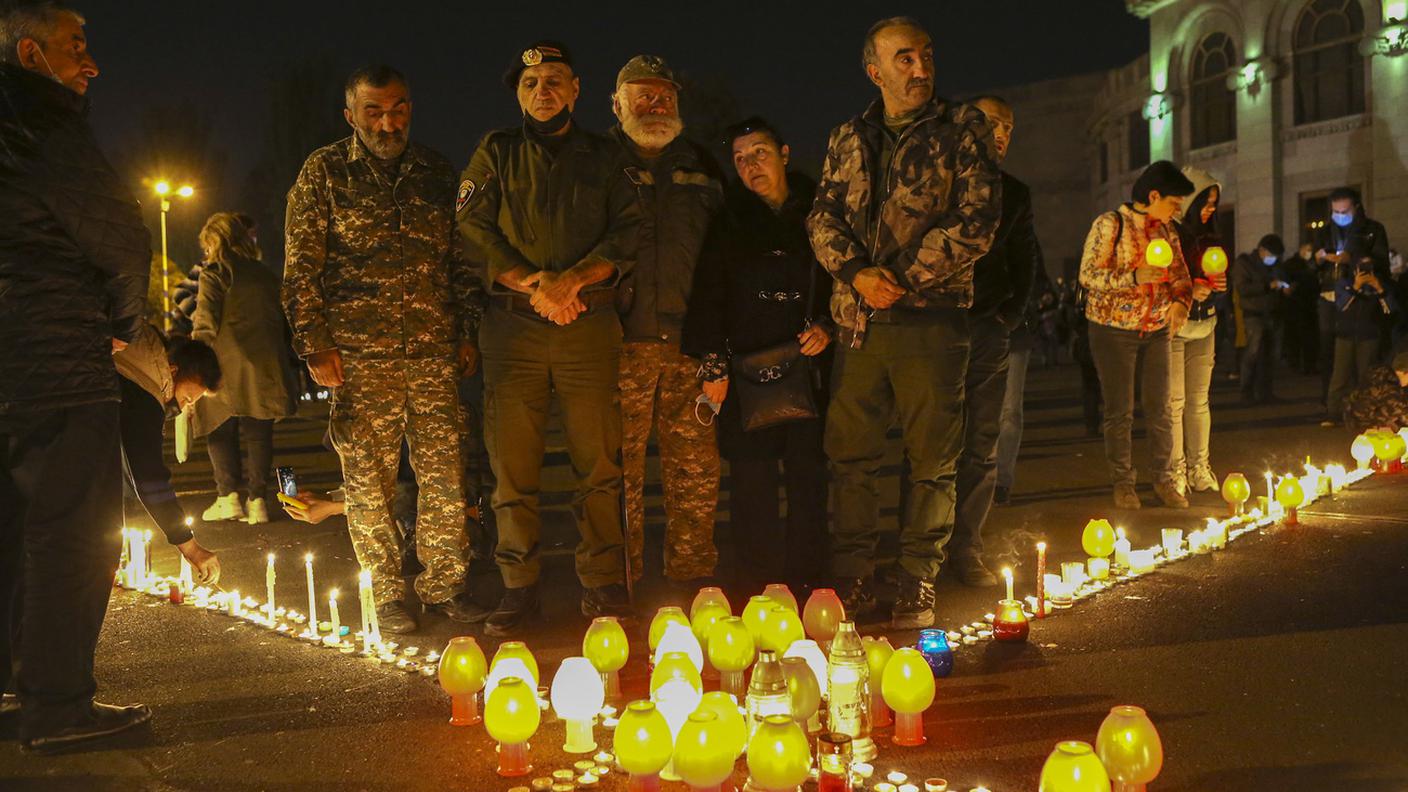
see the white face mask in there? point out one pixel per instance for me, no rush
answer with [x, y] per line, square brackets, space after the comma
[53, 75]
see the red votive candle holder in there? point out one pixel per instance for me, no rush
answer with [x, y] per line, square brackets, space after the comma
[513, 760]
[909, 729]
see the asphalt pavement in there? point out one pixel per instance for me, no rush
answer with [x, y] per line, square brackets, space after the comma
[1273, 665]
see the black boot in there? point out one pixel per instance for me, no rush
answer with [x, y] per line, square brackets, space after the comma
[395, 617]
[609, 600]
[103, 720]
[460, 608]
[914, 607]
[857, 598]
[516, 609]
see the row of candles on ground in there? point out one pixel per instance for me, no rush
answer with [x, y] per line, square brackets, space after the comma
[134, 572]
[770, 626]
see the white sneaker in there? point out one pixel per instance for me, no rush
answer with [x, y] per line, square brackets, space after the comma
[258, 512]
[1203, 479]
[225, 507]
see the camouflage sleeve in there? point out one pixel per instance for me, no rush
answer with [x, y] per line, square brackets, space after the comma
[477, 212]
[1180, 281]
[306, 247]
[963, 233]
[1381, 402]
[835, 245]
[1099, 262]
[618, 245]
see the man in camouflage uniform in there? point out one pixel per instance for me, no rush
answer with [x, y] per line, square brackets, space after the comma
[679, 189]
[379, 296]
[909, 198]
[552, 214]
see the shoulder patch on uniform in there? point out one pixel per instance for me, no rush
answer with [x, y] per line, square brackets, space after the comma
[465, 193]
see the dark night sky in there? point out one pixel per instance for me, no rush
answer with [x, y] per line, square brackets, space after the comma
[795, 62]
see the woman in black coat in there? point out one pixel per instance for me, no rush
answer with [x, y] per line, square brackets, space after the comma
[759, 285]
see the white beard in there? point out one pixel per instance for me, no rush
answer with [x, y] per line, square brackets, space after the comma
[653, 132]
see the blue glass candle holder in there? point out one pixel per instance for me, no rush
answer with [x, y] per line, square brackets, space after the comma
[933, 644]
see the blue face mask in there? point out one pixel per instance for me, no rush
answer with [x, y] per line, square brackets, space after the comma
[1342, 219]
[1268, 260]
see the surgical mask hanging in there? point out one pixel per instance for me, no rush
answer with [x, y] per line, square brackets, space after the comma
[1342, 219]
[714, 408]
[53, 75]
[551, 126]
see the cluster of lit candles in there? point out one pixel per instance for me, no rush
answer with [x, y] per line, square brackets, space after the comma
[815, 690]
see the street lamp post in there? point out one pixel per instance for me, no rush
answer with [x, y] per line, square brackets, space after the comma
[163, 189]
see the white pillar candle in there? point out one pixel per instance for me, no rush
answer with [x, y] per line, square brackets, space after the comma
[373, 626]
[336, 635]
[1007, 573]
[269, 589]
[312, 597]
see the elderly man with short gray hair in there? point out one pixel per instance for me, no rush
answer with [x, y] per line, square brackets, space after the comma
[74, 258]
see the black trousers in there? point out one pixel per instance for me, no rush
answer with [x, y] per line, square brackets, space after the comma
[250, 475]
[767, 547]
[985, 387]
[143, 419]
[60, 515]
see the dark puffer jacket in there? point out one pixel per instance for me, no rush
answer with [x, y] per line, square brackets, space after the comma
[74, 254]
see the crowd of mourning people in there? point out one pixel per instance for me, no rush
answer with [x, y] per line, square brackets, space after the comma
[752, 315]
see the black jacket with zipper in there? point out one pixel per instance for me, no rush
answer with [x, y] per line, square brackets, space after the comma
[74, 253]
[678, 192]
[1003, 278]
[749, 294]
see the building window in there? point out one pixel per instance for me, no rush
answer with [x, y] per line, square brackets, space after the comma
[1104, 162]
[1212, 106]
[1329, 71]
[1138, 140]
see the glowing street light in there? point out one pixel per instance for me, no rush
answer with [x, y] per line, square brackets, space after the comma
[163, 189]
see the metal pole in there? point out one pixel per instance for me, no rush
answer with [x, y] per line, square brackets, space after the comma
[165, 270]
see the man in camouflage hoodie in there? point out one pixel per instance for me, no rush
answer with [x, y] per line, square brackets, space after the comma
[909, 199]
[383, 305]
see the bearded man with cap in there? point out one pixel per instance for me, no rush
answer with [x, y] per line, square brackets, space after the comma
[679, 190]
[556, 224]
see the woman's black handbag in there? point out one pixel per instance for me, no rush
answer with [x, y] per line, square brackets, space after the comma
[775, 384]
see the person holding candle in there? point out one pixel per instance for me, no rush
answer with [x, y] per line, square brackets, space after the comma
[1192, 361]
[158, 379]
[1134, 308]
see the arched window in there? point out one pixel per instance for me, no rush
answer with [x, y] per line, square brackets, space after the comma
[1329, 71]
[1212, 106]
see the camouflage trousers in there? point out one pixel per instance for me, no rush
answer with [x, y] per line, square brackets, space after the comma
[379, 403]
[658, 390]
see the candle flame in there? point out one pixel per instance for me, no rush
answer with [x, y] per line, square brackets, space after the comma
[1007, 573]
[308, 558]
[332, 594]
[271, 558]
[1119, 532]
[1041, 545]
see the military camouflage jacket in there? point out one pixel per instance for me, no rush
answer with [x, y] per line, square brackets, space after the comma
[1379, 403]
[374, 265]
[524, 205]
[942, 210]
